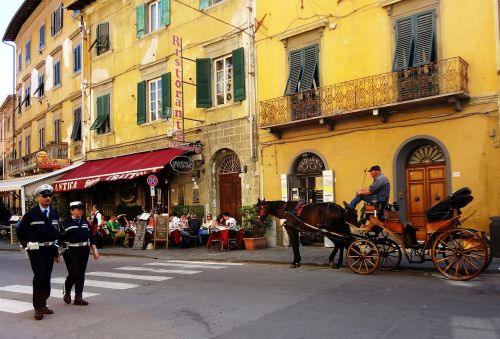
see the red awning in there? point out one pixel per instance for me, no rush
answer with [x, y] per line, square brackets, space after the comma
[120, 168]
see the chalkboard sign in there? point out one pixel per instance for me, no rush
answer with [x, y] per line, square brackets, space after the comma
[140, 234]
[161, 230]
[13, 234]
[196, 196]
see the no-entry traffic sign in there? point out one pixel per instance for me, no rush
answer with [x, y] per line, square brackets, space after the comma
[152, 180]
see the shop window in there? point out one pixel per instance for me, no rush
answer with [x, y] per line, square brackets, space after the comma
[102, 123]
[307, 179]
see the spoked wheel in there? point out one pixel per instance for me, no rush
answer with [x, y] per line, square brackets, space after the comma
[390, 254]
[363, 256]
[490, 253]
[459, 254]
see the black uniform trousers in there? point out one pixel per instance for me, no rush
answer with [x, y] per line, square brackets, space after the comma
[42, 262]
[76, 259]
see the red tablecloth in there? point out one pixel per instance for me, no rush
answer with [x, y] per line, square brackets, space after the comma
[224, 236]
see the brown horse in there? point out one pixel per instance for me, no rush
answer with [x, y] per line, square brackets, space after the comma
[313, 218]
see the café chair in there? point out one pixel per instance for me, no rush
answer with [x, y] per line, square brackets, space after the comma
[215, 239]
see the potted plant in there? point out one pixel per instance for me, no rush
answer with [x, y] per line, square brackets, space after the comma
[254, 230]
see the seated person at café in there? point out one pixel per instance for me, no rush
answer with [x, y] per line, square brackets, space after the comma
[230, 221]
[115, 229]
[206, 227]
[175, 227]
[125, 226]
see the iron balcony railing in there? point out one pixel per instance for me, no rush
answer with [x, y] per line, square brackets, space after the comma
[28, 162]
[446, 77]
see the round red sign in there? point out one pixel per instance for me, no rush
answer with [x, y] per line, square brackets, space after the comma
[152, 180]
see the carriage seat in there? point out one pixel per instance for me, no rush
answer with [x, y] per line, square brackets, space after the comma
[445, 208]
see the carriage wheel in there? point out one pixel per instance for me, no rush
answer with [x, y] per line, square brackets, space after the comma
[363, 256]
[390, 254]
[459, 254]
[490, 253]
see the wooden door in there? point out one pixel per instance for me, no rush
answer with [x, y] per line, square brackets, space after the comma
[425, 186]
[230, 194]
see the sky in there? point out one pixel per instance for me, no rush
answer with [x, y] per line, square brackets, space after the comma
[7, 10]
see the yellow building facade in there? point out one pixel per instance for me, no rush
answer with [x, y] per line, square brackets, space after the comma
[164, 75]
[408, 85]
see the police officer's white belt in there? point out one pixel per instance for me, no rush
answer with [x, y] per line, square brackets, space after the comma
[37, 245]
[78, 244]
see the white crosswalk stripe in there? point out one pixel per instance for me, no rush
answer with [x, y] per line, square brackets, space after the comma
[155, 270]
[25, 289]
[128, 276]
[171, 264]
[177, 267]
[14, 306]
[101, 284]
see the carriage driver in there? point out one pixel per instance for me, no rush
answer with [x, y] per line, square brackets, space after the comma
[380, 188]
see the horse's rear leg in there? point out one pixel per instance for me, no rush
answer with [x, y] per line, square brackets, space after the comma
[332, 256]
[293, 235]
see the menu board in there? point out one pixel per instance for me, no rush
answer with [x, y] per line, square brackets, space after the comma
[140, 234]
[13, 234]
[161, 229]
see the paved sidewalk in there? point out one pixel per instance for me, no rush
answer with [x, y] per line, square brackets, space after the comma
[311, 255]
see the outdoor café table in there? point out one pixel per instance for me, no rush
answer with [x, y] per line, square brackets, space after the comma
[224, 235]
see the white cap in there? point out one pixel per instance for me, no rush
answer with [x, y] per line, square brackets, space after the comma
[45, 187]
[76, 204]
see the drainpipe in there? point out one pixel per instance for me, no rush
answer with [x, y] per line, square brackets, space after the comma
[13, 106]
[251, 82]
[82, 85]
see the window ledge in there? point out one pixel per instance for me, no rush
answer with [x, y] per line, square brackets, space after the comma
[321, 24]
[77, 72]
[152, 123]
[231, 104]
[56, 86]
[102, 54]
[153, 33]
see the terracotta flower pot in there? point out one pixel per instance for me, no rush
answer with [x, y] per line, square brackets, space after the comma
[255, 243]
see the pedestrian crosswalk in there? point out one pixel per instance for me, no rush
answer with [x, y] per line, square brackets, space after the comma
[17, 300]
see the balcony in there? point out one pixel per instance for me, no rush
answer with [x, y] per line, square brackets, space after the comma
[28, 162]
[438, 82]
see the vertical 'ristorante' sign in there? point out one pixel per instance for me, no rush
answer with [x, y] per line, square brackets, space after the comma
[178, 111]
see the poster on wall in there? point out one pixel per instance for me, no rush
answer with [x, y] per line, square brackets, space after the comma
[284, 187]
[328, 186]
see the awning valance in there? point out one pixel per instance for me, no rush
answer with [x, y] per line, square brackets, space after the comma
[19, 183]
[120, 168]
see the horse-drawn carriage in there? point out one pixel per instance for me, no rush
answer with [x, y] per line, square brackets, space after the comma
[380, 238]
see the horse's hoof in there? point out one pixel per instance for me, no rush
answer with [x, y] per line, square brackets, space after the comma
[333, 265]
[295, 265]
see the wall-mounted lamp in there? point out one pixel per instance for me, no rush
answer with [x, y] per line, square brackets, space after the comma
[244, 169]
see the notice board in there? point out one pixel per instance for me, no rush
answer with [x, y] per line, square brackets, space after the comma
[140, 234]
[161, 229]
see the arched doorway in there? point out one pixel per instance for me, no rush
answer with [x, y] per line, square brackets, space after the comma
[306, 181]
[426, 181]
[230, 185]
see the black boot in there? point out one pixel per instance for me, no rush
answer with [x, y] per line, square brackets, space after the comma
[67, 296]
[79, 300]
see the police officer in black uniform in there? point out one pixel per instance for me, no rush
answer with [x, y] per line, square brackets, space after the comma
[78, 239]
[39, 232]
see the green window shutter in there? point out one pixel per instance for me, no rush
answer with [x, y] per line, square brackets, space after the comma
[166, 98]
[140, 19]
[165, 12]
[295, 72]
[141, 102]
[310, 65]
[404, 44]
[100, 109]
[102, 44]
[239, 74]
[425, 26]
[203, 83]
[203, 4]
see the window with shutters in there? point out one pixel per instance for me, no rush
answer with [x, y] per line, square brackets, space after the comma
[102, 123]
[415, 40]
[19, 148]
[40, 90]
[154, 99]
[28, 144]
[41, 138]
[19, 62]
[77, 58]
[56, 20]
[102, 38]
[27, 95]
[19, 101]
[303, 73]
[57, 73]
[223, 80]
[208, 3]
[76, 133]
[41, 38]
[57, 131]
[28, 52]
